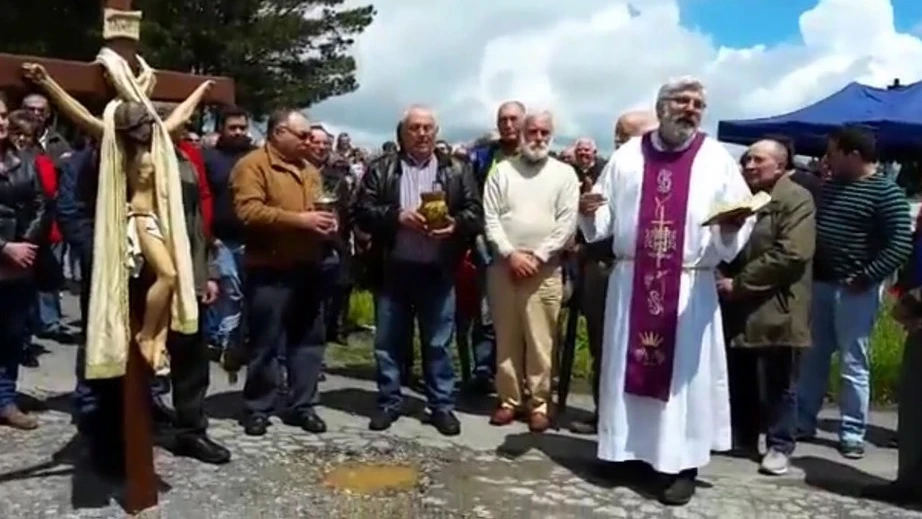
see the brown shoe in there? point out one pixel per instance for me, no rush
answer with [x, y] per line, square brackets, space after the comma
[538, 422]
[502, 416]
[12, 416]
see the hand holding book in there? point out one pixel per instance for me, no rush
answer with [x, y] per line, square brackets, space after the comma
[733, 213]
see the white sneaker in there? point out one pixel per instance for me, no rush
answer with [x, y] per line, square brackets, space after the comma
[774, 463]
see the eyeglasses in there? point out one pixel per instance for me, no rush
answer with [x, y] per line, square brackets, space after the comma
[302, 135]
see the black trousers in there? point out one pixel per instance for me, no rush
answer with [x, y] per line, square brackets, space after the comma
[594, 291]
[763, 396]
[190, 376]
[285, 312]
[99, 402]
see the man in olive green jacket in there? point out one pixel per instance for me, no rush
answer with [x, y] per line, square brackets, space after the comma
[766, 309]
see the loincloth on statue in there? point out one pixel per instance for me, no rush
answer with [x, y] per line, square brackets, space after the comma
[140, 221]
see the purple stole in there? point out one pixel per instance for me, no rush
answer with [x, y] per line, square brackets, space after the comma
[654, 313]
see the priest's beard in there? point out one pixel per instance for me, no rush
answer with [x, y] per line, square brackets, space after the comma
[675, 129]
[533, 152]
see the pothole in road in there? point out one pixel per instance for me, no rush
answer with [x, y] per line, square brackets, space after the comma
[373, 478]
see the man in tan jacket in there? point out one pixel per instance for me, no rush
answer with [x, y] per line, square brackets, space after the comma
[274, 190]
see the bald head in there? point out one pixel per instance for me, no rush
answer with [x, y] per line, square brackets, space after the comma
[288, 130]
[775, 149]
[764, 163]
[634, 124]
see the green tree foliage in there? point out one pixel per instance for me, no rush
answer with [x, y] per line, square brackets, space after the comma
[279, 52]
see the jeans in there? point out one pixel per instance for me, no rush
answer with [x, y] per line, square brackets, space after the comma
[46, 311]
[15, 310]
[427, 293]
[483, 336]
[842, 321]
[223, 320]
[284, 309]
[71, 264]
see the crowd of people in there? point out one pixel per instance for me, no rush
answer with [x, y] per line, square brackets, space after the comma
[706, 328]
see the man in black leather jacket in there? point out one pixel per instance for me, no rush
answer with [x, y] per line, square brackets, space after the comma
[416, 264]
[25, 222]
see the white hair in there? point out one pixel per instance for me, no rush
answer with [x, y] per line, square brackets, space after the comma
[585, 140]
[418, 109]
[539, 114]
[36, 95]
[677, 85]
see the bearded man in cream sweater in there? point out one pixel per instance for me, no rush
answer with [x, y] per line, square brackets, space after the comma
[530, 207]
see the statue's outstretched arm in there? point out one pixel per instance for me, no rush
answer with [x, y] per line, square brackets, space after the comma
[184, 111]
[69, 106]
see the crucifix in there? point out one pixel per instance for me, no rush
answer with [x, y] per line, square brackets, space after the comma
[134, 144]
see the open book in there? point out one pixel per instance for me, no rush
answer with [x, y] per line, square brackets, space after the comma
[745, 208]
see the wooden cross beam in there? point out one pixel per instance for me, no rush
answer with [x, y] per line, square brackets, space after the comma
[86, 80]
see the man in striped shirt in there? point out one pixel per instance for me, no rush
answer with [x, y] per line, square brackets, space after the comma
[862, 238]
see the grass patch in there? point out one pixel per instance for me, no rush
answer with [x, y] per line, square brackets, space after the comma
[886, 350]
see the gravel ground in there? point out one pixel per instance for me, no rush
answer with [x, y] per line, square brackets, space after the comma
[486, 472]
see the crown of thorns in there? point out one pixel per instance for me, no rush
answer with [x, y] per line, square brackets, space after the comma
[129, 116]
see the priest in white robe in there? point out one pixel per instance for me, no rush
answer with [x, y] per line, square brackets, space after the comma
[664, 394]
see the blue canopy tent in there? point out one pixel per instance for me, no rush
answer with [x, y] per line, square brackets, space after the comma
[893, 113]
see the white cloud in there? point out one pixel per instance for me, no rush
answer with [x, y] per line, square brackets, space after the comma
[589, 60]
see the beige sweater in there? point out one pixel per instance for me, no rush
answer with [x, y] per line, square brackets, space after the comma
[531, 207]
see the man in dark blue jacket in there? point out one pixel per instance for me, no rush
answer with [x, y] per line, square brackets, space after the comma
[509, 120]
[223, 321]
[96, 402]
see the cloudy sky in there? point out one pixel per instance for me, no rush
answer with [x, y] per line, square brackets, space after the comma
[589, 60]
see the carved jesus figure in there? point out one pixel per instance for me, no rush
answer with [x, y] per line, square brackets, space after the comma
[146, 242]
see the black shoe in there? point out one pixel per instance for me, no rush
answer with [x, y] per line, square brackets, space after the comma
[678, 489]
[162, 416]
[585, 427]
[894, 443]
[202, 448]
[895, 492]
[805, 437]
[481, 386]
[307, 420]
[383, 419]
[446, 423]
[255, 425]
[851, 450]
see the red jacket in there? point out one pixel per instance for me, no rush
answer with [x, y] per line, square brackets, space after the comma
[48, 176]
[466, 293]
[195, 157]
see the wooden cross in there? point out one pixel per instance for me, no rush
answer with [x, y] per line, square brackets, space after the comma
[87, 81]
